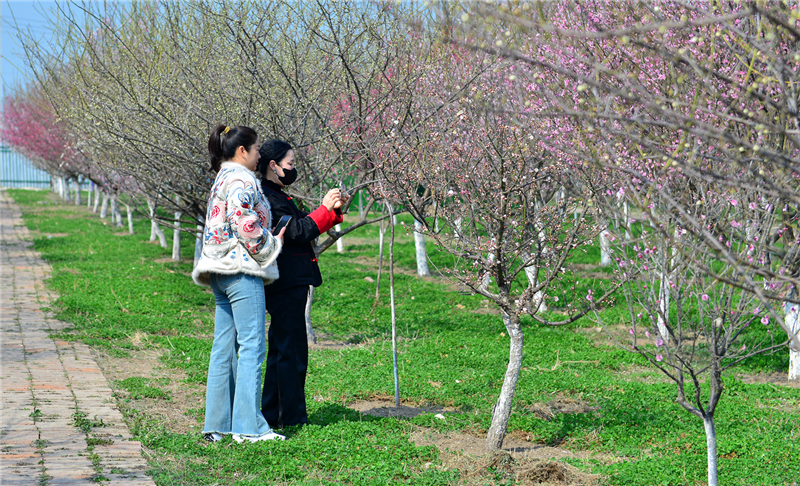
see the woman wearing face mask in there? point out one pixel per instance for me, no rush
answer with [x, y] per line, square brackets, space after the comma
[283, 401]
[238, 258]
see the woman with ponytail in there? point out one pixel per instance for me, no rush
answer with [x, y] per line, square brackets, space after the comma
[237, 259]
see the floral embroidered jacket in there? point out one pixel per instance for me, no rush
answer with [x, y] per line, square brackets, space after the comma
[235, 237]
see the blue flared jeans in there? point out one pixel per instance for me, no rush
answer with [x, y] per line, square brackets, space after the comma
[233, 392]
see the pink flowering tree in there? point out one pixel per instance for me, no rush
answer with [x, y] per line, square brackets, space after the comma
[493, 187]
[31, 127]
[691, 109]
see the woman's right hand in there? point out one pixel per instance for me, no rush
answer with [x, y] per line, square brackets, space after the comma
[330, 199]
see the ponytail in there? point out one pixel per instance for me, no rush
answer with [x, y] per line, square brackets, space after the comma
[224, 141]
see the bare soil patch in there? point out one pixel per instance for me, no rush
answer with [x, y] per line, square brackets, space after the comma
[528, 463]
[165, 260]
[777, 378]
[560, 405]
[385, 408]
[173, 413]
[324, 343]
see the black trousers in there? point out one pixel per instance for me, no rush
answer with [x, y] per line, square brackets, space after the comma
[283, 401]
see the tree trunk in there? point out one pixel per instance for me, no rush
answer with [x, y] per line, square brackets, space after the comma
[605, 248]
[663, 305]
[96, 198]
[422, 254]
[155, 229]
[117, 212]
[198, 242]
[792, 320]
[711, 448]
[104, 207]
[89, 196]
[311, 338]
[176, 233]
[339, 242]
[626, 210]
[360, 205]
[78, 192]
[502, 409]
[130, 218]
[538, 298]
[394, 317]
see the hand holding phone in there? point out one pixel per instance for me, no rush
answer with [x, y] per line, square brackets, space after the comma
[282, 223]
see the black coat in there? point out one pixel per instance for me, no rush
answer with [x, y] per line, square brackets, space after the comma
[297, 263]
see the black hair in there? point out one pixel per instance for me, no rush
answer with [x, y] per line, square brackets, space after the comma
[272, 150]
[222, 146]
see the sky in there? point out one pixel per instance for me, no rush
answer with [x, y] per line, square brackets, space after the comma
[30, 16]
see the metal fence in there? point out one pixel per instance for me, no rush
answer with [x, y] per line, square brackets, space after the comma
[17, 171]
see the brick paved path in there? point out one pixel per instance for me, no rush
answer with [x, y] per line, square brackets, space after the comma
[54, 394]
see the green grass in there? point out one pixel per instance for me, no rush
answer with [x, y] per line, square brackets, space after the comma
[451, 353]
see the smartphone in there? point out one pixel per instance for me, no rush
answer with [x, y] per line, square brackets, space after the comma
[281, 224]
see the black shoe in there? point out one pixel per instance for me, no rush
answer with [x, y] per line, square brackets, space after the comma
[212, 437]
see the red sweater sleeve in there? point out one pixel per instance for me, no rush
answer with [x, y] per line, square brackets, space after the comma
[325, 219]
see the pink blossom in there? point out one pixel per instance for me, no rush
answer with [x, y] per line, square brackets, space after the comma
[765, 320]
[630, 331]
[704, 297]
[659, 357]
[659, 342]
[733, 202]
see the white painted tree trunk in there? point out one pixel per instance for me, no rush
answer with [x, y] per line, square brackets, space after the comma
[339, 242]
[502, 409]
[78, 192]
[96, 198]
[792, 320]
[422, 253]
[663, 306]
[155, 229]
[198, 242]
[605, 248]
[176, 233]
[538, 298]
[711, 448]
[311, 338]
[457, 227]
[117, 212]
[486, 280]
[89, 197]
[104, 207]
[360, 205]
[130, 218]
[626, 210]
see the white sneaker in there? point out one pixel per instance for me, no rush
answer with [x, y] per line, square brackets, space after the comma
[268, 436]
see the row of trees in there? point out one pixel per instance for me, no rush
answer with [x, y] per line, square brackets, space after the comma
[513, 132]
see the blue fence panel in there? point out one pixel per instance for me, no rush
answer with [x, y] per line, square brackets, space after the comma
[17, 171]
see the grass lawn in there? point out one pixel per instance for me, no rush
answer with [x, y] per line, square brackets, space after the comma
[583, 408]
